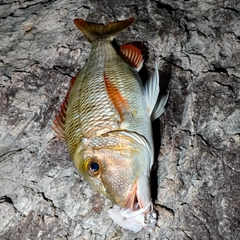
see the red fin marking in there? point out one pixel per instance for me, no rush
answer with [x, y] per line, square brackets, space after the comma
[59, 121]
[133, 55]
[119, 102]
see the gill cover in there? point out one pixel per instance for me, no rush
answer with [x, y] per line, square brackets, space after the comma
[113, 164]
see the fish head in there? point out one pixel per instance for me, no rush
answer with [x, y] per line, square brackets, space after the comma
[118, 166]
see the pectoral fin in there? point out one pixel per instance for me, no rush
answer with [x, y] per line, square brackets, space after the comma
[151, 94]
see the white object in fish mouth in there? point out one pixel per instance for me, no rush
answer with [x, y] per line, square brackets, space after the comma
[133, 220]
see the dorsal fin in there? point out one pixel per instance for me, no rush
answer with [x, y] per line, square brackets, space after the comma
[93, 31]
[59, 121]
[133, 55]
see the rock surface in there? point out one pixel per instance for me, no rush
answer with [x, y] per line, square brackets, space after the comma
[197, 47]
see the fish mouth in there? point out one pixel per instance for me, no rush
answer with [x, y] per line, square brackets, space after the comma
[134, 201]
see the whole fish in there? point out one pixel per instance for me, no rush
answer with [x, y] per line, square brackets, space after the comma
[106, 122]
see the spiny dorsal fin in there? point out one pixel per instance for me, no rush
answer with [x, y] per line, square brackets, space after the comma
[93, 31]
[133, 55]
[59, 121]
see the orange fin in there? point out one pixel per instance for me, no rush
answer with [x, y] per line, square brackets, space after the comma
[59, 121]
[119, 102]
[133, 55]
[93, 31]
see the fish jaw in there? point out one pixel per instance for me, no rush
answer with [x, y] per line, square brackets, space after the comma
[123, 175]
[140, 196]
[138, 212]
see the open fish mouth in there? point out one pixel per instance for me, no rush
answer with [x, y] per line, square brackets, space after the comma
[134, 202]
[137, 213]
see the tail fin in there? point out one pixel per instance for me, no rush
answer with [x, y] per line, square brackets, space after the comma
[93, 31]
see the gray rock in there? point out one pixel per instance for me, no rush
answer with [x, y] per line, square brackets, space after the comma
[197, 47]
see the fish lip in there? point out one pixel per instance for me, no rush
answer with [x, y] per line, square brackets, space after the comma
[134, 202]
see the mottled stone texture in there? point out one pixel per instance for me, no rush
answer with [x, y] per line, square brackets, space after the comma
[197, 47]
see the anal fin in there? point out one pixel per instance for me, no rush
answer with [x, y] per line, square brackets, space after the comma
[133, 56]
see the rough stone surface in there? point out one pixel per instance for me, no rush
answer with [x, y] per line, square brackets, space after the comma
[197, 47]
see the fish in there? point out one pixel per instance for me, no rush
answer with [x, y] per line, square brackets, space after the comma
[105, 120]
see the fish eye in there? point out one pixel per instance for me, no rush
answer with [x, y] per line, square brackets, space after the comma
[93, 167]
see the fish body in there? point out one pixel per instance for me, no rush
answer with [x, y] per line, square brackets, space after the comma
[106, 122]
